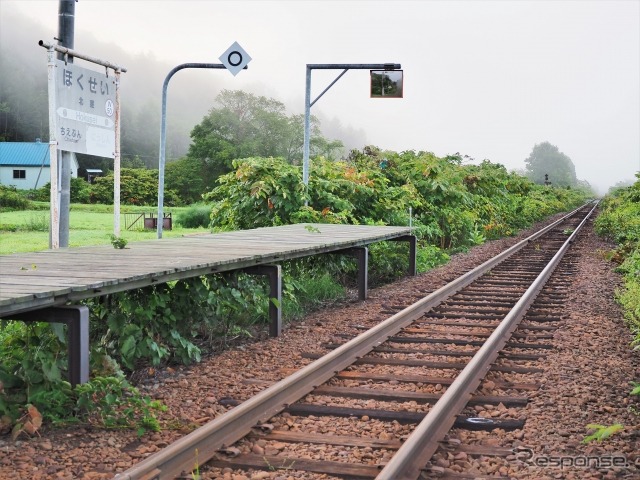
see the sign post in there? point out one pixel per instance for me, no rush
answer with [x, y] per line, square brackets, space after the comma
[54, 200]
[84, 117]
[233, 59]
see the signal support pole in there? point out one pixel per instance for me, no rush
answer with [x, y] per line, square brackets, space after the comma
[234, 60]
[308, 103]
[163, 135]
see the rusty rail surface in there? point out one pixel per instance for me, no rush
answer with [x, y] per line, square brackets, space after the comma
[421, 445]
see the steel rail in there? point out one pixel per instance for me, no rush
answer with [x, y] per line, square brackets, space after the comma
[202, 444]
[410, 459]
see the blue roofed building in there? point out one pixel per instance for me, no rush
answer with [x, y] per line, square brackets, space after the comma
[25, 165]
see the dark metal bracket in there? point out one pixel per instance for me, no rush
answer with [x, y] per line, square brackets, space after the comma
[274, 272]
[361, 255]
[76, 317]
[413, 245]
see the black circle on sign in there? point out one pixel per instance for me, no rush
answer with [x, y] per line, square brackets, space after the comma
[239, 56]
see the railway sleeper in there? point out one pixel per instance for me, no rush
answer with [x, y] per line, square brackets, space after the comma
[301, 409]
[538, 336]
[463, 309]
[418, 397]
[289, 436]
[462, 421]
[368, 360]
[353, 375]
[455, 341]
[273, 462]
[284, 462]
[522, 326]
[445, 353]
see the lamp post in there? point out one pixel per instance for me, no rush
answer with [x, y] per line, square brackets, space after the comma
[308, 103]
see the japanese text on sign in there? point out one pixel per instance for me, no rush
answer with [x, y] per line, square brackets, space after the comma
[85, 108]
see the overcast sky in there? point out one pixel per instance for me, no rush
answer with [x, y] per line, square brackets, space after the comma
[489, 79]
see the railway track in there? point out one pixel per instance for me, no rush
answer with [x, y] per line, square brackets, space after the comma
[412, 397]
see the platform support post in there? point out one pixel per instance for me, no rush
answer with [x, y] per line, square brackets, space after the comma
[76, 317]
[274, 272]
[361, 254]
[413, 247]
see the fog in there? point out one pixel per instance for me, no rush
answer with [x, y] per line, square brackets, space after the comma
[486, 79]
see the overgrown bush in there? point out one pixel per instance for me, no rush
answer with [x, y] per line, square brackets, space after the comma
[31, 374]
[10, 199]
[159, 324]
[138, 186]
[452, 205]
[195, 216]
[79, 191]
[619, 220]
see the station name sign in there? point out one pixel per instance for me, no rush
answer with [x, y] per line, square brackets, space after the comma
[85, 110]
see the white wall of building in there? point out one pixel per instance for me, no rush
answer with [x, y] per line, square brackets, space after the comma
[35, 177]
[31, 179]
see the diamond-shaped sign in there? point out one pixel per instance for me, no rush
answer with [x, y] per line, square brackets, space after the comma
[235, 58]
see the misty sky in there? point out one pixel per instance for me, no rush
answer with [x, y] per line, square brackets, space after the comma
[488, 79]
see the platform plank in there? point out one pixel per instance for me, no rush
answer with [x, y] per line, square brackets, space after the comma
[29, 281]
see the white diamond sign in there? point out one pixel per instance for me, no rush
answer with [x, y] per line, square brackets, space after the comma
[235, 58]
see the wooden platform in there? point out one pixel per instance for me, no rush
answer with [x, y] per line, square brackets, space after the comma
[33, 281]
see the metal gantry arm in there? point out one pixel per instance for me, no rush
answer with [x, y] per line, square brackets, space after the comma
[308, 103]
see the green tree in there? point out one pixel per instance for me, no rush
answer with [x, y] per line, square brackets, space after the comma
[138, 186]
[244, 125]
[187, 178]
[241, 126]
[546, 159]
[317, 143]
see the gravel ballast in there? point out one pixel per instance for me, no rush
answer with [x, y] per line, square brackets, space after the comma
[586, 381]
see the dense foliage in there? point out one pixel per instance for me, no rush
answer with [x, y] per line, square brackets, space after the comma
[244, 125]
[197, 215]
[451, 206]
[620, 220]
[79, 191]
[138, 186]
[10, 199]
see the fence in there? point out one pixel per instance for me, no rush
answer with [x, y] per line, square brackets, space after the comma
[147, 221]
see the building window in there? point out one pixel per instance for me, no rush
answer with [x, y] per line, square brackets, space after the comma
[19, 174]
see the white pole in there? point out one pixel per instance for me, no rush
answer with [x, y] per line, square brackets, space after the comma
[307, 128]
[116, 162]
[54, 217]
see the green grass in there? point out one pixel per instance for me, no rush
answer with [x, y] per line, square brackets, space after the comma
[88, 225]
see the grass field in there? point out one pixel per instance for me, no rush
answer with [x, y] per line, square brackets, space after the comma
[28, 230]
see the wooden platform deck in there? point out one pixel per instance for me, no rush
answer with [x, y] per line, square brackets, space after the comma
[33, 281]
